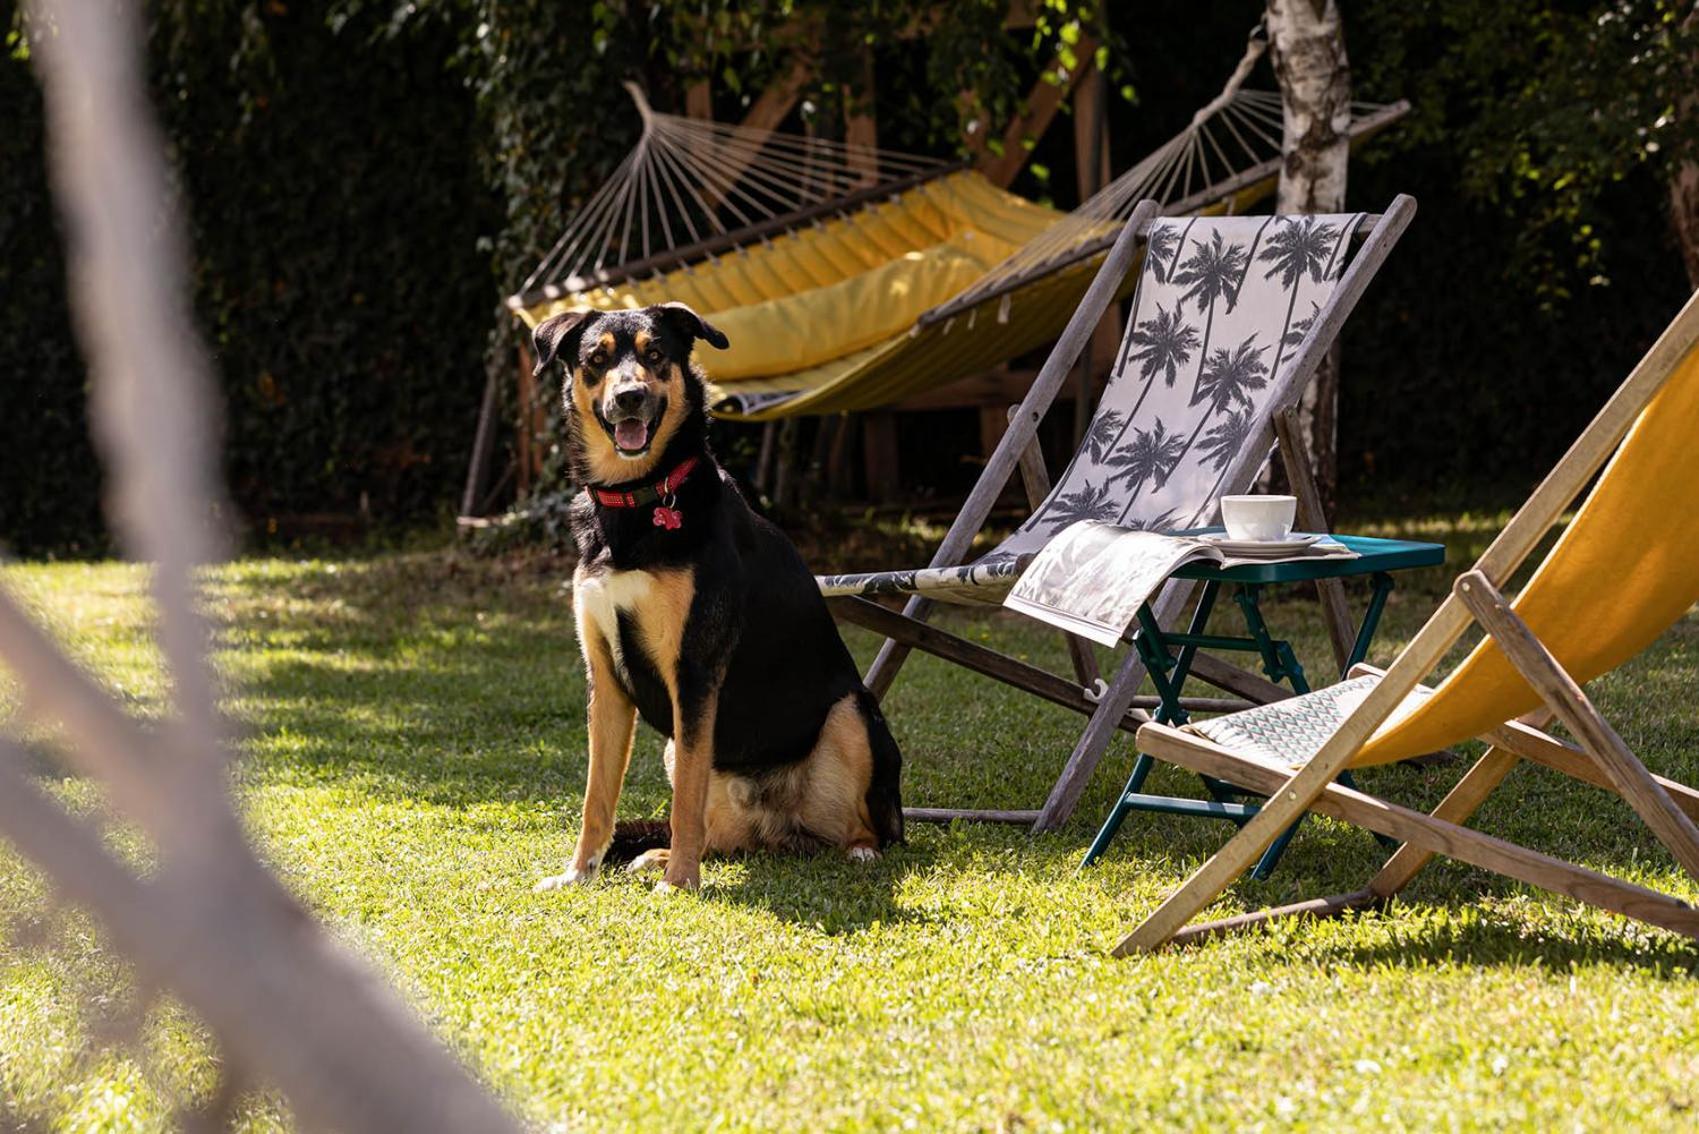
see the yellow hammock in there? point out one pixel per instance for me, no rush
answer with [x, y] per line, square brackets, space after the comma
[861, 295]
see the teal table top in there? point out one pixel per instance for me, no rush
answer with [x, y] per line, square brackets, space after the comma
[1373, 554]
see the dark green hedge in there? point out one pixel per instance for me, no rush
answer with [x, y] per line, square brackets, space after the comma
[337, 210]
[342, 277]
[49, 479]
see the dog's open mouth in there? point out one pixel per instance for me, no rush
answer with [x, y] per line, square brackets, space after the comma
[631, 435]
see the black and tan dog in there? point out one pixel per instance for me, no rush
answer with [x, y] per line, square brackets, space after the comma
[698, 615]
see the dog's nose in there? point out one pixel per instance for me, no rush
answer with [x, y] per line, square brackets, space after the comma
[630, 400]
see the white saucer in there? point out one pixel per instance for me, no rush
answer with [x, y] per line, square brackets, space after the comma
[1262, 548]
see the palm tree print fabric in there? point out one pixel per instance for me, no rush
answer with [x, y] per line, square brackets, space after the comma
[1221, 307]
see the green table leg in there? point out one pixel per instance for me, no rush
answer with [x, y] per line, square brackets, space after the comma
[1278, 660]
[1381, 584]
[1168, 676]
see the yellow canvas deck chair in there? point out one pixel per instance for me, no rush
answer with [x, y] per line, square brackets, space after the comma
[1625, 570]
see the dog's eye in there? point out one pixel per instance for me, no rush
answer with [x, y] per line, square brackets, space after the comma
[652, 355]
[598, 358]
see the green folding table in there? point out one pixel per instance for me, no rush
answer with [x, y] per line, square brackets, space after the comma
[1168, 657]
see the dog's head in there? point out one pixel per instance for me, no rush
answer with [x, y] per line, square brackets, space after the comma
[631, 388]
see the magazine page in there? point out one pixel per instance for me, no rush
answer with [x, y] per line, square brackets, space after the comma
[1092, 579]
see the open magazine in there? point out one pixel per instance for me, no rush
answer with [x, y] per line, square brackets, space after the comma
[1093, 577]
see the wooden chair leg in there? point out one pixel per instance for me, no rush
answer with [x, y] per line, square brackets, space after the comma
[892, 654]
[1093, 742]
[1459, 804]
[1209, 880]
[1627, 774]
[1422, 830]
[1289, 799]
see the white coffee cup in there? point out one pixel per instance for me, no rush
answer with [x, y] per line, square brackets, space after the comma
[1258, 517]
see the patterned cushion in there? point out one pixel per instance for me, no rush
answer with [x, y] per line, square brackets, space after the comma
[1294, 730]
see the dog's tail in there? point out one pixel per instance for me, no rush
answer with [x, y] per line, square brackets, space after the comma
[884, 791]
[634, 836]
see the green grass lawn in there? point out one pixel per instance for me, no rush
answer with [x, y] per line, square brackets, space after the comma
[413, 761]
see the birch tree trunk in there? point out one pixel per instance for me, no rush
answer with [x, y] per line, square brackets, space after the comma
[1306, 41]
[1684, 216]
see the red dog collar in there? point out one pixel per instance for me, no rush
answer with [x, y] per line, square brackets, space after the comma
[660, 494]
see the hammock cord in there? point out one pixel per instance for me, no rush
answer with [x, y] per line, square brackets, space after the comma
[701, 188]
[708, 179]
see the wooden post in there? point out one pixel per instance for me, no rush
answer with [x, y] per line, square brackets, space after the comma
[861, 130]
[1091, 167]
[785, 478]
[527, 395]
[699, 101]
[483, 442]
[764, 461]
[1312, 516]
[837, 460]
[975, 125]
[879, 450]
[1042, 103]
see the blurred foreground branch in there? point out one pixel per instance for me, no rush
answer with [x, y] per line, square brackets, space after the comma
[210, 922]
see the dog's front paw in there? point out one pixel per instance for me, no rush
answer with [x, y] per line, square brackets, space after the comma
[679, 880]
[574, 876]
[862, 854]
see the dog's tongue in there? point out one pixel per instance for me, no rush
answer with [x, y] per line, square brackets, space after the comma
[631, 435]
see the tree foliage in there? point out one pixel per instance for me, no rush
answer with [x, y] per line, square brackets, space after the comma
[1549, 106]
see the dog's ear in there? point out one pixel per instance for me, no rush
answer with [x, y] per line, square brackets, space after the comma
[688, 323]
[557, 336]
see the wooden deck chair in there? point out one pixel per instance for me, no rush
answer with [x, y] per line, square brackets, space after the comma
[1626, 569]
[1229, 320]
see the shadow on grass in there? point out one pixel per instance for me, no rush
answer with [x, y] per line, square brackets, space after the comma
[1422, 932]
[825, 892]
